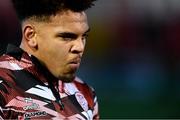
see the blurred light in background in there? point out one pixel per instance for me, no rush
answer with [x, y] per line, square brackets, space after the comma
[132, 57]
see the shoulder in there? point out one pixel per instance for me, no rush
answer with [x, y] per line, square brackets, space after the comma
[6, 83]
[6, 62]
[78, 80]
[81, 84]
[86, 90]
[6, 76]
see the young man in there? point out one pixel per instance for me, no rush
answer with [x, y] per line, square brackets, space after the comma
[37, 80]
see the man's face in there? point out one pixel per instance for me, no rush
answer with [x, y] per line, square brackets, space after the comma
[61, 43]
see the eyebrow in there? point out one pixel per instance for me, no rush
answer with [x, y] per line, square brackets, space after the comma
[70, 34]
[88, 30]
[67, 35]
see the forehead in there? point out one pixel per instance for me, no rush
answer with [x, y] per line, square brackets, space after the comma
[68, 17]
[65, 21]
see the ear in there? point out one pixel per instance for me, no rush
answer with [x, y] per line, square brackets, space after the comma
[30, 36]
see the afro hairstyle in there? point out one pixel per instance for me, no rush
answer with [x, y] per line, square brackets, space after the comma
[44, 8]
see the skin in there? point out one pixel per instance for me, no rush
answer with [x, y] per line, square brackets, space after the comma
[58, 43]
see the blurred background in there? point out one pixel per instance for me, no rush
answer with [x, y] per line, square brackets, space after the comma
[132, 56]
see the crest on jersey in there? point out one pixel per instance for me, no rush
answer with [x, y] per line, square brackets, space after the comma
[82, 101]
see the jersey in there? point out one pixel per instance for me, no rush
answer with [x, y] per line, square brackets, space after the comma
[29, 91]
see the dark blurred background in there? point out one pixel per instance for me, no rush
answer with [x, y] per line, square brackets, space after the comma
[132, 57]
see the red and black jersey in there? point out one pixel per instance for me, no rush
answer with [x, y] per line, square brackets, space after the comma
[29, 91]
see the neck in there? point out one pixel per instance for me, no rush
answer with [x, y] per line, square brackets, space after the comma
[26, 48]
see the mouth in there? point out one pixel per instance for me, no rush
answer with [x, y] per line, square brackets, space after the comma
[75, 63]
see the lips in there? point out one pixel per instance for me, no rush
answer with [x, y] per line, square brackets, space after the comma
[74, 64]
[75, 61]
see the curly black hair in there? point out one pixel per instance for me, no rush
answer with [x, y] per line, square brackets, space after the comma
[44, 8]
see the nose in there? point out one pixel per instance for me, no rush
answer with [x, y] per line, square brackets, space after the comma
[78, 46]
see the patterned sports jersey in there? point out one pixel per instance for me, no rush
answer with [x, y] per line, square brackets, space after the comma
[29, 91]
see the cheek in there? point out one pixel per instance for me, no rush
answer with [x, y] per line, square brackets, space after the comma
[54, 50]
[59, 52]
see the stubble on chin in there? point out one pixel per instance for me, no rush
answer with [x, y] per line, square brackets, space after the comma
[67, 78]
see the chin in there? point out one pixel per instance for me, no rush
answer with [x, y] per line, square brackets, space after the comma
[67, 78]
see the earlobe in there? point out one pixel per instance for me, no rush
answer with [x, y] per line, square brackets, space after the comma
[32, 43]
[30, 36]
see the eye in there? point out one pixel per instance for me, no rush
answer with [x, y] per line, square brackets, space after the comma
[85, 37]
[67, 38]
